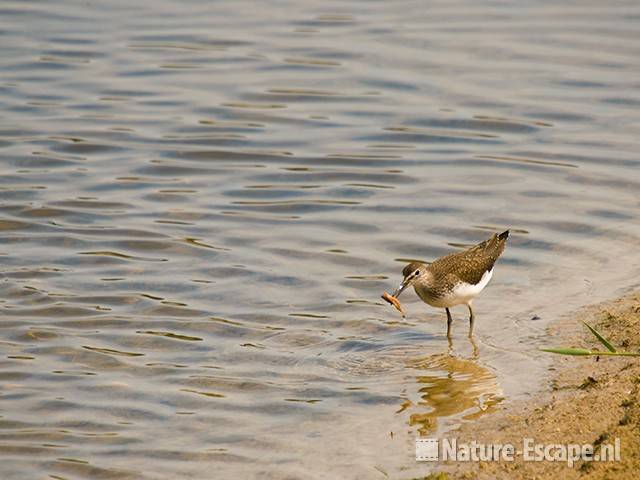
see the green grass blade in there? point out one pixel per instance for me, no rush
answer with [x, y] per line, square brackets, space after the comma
[617, 354]
[568, 351]
[603, 340]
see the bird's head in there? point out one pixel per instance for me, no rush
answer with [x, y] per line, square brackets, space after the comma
[410, 273]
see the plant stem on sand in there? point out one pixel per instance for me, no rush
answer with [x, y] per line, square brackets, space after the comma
[611, 350]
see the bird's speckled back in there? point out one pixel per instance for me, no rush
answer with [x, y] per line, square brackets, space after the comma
[469, 266]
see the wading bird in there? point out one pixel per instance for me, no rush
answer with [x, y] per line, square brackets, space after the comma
[455, 279]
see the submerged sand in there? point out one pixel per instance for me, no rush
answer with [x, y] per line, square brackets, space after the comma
[590, 402]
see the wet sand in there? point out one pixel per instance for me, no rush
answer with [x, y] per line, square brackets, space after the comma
[588, 401]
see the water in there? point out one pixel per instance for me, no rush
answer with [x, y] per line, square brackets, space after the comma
[202, 202]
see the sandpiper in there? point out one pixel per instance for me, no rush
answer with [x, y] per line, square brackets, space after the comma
[455, 279]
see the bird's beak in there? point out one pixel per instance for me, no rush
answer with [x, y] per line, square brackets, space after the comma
[405, 283]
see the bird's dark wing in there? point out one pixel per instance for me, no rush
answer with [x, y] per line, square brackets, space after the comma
[470, 265]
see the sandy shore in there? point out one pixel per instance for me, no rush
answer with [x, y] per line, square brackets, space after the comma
[590, 402]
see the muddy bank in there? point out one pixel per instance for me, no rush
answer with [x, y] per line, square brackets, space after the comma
[590, 402]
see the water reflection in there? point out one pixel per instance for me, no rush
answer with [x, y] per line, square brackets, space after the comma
[450, 388]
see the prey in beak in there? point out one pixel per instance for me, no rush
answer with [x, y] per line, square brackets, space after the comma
[411, 272]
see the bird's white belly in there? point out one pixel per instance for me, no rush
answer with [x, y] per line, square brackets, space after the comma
[461, 294]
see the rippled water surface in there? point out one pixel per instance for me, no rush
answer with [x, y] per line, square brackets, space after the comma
[201, 203]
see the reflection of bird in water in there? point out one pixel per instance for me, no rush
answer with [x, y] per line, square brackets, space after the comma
[451, 387]
[455, 279]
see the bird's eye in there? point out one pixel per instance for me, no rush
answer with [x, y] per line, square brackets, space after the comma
[417, 272]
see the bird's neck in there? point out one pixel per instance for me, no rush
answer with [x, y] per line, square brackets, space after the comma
[424, 280]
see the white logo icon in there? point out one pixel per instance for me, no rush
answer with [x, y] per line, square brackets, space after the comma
[427, 449]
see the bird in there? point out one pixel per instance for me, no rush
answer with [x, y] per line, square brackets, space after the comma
[455, 279]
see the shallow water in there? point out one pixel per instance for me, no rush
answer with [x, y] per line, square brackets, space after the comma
[202, 202]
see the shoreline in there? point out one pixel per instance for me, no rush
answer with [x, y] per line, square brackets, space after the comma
[589, 402]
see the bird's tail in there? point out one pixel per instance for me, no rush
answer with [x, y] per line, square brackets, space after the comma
[504, 235]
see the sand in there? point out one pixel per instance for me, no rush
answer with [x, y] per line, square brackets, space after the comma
[589, 402]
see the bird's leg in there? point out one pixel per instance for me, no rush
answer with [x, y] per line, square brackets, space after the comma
[449, 321]
[471, 319]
